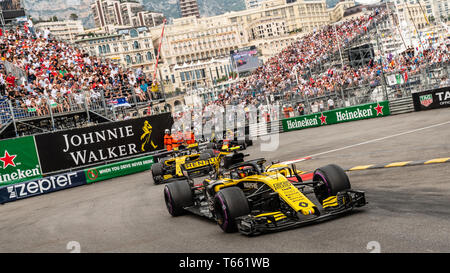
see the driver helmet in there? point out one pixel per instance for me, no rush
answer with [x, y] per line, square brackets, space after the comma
[245, 171]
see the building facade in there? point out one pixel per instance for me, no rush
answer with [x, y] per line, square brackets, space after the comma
[64, 30]
[188, 8]
[196, 51]
[130, 48]
[123, 13]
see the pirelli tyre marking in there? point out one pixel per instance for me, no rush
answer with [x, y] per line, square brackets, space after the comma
[400, 164]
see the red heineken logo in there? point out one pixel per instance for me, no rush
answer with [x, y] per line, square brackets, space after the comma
[8, 160]
[323, 119]
[379, 109]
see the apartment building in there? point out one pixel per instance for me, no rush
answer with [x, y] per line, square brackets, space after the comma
[123, 13]
[188, 8]
[64, 30]
[130, 48]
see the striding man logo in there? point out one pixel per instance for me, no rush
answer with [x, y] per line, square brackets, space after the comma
[146, 136]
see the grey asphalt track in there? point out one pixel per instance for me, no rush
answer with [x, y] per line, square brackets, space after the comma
[408, 210]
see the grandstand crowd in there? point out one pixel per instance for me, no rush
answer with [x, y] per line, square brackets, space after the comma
[290, 70]
[60, 75]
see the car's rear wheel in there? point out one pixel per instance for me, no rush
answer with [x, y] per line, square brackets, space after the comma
[157, 172]
[242, 143]
[230, 203]
[178, 195]
[333, 179]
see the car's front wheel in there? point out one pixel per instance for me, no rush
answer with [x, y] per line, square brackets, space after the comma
[333, 179]
[230, 203]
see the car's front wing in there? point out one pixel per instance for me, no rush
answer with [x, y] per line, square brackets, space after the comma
[251, 225]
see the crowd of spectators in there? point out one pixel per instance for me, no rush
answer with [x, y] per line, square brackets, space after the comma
[64, 77]
[61, 76]
[288, 74]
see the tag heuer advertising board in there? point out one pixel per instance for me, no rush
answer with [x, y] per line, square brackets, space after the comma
[432, 99]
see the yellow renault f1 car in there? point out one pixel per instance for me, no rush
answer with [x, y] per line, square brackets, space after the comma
[254, 199]
[190, 163]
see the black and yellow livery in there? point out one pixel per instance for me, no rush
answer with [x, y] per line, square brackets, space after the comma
[252, 198]
[189, 163]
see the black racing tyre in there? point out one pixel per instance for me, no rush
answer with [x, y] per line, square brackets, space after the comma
[230, 203]
[249, 142]
[333, 178]
[157, 172]
[178, 195]
[242, 143]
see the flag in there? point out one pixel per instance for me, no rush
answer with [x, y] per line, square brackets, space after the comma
[120, 102]
[399, 78]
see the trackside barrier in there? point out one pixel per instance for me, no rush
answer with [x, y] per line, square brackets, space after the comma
[122, 168]
[359, 112]
[64, 181]
[431, 99]
[19, 161]
[41, 186]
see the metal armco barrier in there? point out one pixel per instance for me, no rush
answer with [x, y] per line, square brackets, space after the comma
[431, 99]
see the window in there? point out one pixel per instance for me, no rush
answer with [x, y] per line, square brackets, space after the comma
[133, 33]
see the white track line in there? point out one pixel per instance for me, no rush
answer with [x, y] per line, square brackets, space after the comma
[378, 139]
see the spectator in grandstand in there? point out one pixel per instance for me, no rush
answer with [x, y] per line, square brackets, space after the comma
[330, 103]
[11, 80]
[445, 81]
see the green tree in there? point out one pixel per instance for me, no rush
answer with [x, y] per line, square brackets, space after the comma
[73, 16]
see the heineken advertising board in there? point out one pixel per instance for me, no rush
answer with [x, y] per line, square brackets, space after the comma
[359, 112]
[118, 169]
[18, 161]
